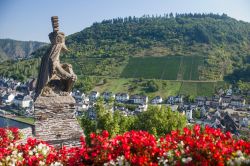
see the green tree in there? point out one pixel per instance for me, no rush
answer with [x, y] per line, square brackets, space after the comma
[197, 114]
[190, 98]
[244, 86]
[159, 121]
[84, 85]
[155, 120]
[152, 86]
[114, 123]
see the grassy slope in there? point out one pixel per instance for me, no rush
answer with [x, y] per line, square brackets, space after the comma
[166, 87]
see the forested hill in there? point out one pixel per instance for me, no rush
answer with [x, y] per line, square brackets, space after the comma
[132, 36]
[106, 48]
[13, 49]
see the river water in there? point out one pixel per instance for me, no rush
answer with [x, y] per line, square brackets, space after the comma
[5, 122]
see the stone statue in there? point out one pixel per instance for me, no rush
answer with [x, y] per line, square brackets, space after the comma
[55, 78]
[54, 107]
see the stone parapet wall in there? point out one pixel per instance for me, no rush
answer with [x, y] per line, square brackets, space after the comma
[55, 120]
[26, 133]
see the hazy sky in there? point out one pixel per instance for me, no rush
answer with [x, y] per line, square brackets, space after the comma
[30, 19]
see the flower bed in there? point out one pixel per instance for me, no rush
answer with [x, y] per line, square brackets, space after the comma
[189, 147]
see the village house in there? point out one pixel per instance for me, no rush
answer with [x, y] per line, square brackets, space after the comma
[123, 110]
[3, 91]
[8, 98]
[13, 84]
[225, 101]
[121, 97]
[203, 111]
[217, 113]
[78, 96]
[217, 98]
[175, 107]
[225, 121]
[2, 83]
[230, 124]
[221, 92]
[229, 92]
[157, 100]
[200, 100]
[80, 106]
[93, 95]
[217, 123]
[120, 108]
[178, 99]
[193, 106]
[189, 114]
[23, 101]
[244, 122]
[208, 101]
[141, 108]
[220, 120]
[170, 100]
[108, 95]
[238, 101]
[215, 103]
[85, 100]
[138, 99]
[91, 113]
[175, 99]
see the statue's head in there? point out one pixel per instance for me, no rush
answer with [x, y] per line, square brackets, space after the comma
[58, 38]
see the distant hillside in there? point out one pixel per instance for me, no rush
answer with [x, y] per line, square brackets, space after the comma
[3, 56]
[13, 49]
[220, 43]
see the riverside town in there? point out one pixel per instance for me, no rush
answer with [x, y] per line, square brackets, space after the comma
[142, 83]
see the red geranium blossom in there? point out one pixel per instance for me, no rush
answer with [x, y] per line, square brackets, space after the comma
[195, 146]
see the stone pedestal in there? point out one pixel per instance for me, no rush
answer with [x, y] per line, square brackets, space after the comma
[55, 121]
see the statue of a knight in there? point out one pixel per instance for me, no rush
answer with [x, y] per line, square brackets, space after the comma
[55, 78]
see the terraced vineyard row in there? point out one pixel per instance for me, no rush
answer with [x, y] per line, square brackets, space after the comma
[167, 68]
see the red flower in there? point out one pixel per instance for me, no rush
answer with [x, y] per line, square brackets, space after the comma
[196, 129]
[194, 147]
[105, 134]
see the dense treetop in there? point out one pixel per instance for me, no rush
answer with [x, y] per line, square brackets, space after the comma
[131, 35]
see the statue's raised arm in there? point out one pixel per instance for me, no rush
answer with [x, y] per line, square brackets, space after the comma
[55, 78]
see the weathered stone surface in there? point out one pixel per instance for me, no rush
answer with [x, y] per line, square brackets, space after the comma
[26, 133]
[54, 78]
[55, 24]
[55, 121]
[56, 100]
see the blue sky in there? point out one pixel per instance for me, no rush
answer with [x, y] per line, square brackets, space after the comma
[30, 19]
